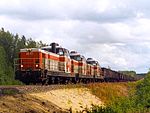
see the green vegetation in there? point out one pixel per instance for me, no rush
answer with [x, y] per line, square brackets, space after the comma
[137, 100]
[9, 91]
[10, 45]
[142, 95]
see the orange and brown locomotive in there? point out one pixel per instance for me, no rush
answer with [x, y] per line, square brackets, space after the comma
[53, 64]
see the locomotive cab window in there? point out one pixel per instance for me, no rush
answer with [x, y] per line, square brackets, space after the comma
[60, 51]
[92, 62]
[78, 58]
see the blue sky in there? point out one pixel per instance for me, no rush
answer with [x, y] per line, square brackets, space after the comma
[114, 32]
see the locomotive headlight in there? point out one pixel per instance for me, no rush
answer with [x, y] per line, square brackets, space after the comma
[36, 65]
[21, 65]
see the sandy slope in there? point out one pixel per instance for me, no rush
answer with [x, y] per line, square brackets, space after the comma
[59, 98]
[23, 103]
[45, 99]
[75, 98]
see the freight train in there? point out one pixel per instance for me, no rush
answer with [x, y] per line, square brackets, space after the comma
[54, 64]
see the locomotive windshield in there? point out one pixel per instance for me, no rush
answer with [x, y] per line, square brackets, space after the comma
[92, 62]
[59, 52]
[78, 58]
[62, 52]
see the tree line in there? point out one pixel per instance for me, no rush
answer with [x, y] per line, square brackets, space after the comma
[10, 46]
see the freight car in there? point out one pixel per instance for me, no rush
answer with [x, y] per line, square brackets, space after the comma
[115, 76]
[52, 64]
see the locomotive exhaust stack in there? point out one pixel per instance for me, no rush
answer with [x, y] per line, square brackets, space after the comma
[53, 45]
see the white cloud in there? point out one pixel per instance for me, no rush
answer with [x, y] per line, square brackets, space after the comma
[114, 32]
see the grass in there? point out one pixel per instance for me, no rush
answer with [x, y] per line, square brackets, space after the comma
[9, 91]
[117, 97]
[109, 92]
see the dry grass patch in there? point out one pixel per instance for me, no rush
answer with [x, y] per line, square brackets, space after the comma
[107, 92]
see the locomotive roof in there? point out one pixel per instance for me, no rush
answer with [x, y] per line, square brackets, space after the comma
[90, 60]
[30, 49]
[74, 53]
[36, 50]
[49, 47]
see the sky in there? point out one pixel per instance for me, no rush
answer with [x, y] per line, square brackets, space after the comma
[114, 32]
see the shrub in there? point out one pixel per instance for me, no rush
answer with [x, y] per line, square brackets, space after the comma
[100, 109]
[142, 95]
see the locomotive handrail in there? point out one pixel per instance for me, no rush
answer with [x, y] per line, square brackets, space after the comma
[19, 61]
[44, 65]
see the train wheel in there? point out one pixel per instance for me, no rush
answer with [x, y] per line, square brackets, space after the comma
[70, 80]
[45, 81]
[58, 80]
[53, 80]
[66, 81]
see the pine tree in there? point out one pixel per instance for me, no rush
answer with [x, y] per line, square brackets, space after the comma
[3, 66]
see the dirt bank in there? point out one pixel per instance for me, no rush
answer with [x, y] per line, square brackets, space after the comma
[45, 99]
[59, 98]
[23, 103]
[77, 98]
